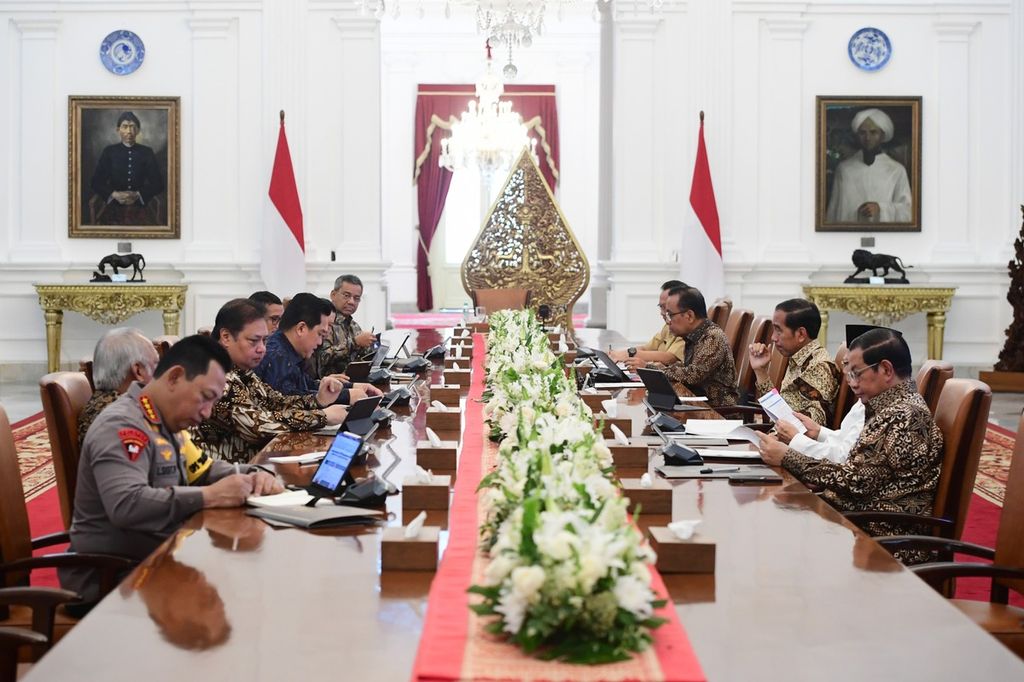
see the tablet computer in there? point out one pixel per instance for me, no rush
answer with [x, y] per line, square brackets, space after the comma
[329, 478]
[359, 419]
[358, 371]
[661, 395]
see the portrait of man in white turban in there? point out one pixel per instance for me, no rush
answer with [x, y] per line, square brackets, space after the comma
[870, 186]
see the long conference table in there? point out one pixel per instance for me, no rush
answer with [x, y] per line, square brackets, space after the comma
[797, 594]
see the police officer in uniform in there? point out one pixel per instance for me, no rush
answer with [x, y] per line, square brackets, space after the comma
[140, 475]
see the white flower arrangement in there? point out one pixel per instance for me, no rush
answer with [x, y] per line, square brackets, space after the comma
[569, 576]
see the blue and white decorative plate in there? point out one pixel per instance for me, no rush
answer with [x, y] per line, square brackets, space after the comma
[122, 52]
[869, 49]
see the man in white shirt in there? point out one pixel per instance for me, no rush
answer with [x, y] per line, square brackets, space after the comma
[819, 442]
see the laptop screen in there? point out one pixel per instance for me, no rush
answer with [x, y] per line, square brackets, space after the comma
[336, 462]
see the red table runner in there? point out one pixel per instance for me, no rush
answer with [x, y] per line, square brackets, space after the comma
[454, 645]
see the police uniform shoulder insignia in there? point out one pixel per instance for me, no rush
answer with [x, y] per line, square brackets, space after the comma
[148, 410]
[133, 441]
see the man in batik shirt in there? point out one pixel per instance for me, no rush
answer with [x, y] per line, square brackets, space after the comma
[346, 342]
[251, 413]
[811, 382]
[707, 368]
[894, 464]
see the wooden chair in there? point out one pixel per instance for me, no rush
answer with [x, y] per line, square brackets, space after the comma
[85, 367]
[162, 343]
[962, 416]
[501, 299]
[845, 398]
[64, 394]
[33, 608]
[931, 378]
[760, 332]
[737, 329]
[719, 311]
[1002, 621]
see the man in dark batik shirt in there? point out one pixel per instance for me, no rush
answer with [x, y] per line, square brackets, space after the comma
[345, 341]
[894, 464]
[251, 413]
[707, 368]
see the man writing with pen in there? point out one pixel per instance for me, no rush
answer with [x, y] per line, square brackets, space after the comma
[345, 341]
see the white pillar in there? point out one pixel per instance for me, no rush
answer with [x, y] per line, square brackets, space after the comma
[952, 121]
[212, 202]
[400, 239]
[783, 143]
[39, 188]
[636, 236]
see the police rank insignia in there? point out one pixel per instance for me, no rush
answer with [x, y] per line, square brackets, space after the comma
[133, 441]
[148, 409]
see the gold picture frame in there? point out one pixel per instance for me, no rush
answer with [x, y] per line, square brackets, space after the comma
[853, 195]
[124, 184]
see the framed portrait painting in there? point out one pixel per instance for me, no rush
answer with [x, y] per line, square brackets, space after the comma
[868, 164]
[123, 167]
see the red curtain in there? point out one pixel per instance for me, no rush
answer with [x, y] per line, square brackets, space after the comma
[437, 107]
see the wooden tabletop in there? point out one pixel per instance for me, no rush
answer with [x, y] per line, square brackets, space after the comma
[797, 594]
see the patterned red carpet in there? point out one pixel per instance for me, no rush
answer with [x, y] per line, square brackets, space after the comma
[38, 480]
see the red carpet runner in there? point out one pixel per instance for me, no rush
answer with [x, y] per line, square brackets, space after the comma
[448, 623]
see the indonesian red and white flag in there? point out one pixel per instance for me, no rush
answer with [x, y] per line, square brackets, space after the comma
[701, 262]
[284, 250]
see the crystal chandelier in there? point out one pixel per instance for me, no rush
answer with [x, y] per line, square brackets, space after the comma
[489, 136]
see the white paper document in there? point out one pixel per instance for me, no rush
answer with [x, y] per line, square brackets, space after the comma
[305, 458]
[709, 454]
[778, 409]
[620, 384]
[289, 498]
[712, 427]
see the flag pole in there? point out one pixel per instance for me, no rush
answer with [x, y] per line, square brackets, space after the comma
[282, 116]
[701, 116]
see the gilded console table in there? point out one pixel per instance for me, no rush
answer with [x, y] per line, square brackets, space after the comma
[106, 303]
[883, 304]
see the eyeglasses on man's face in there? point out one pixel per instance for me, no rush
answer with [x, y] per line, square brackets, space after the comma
[853, 375]
[669, 315]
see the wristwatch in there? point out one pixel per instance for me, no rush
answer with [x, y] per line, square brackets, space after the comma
[631, 351]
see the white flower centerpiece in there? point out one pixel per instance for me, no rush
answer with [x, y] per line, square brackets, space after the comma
[569, 577]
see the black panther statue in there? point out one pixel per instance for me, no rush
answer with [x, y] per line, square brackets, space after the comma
[865, 260]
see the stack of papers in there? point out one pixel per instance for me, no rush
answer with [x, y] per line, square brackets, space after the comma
[731, 429]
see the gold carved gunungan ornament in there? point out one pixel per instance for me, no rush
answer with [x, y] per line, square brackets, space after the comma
[525, 242]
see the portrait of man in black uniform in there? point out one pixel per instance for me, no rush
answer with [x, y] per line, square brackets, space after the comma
[124, 167]
[127, 179]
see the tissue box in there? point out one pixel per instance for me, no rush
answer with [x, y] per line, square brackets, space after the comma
[654, 500]
[447, 394]
[480, 327]
[465, 340]
[696, 555]
[399, 553]
[569, 357]
[443, 458]
[450, 361]
[593, 400]
[632, 456]
[447, 420]
[625, 424]
[416, 495]
[461, 377]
